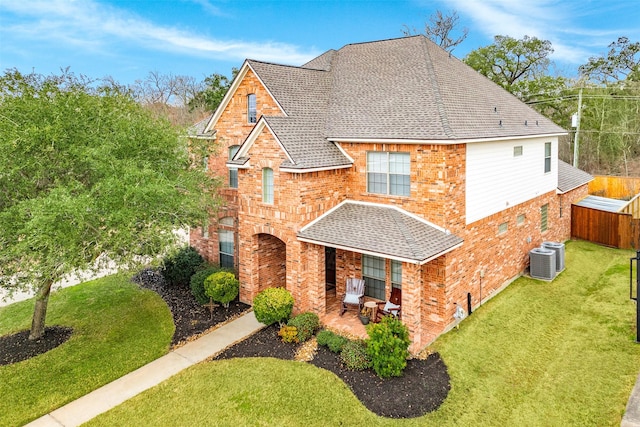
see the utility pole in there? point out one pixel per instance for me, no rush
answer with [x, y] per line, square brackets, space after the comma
[577, 126]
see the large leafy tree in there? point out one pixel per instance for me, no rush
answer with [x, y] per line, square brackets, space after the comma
[520, 66]
[87, 173]
[621, 62]
[216, 86]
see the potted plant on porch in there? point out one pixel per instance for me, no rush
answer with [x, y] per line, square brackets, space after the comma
[365, 315]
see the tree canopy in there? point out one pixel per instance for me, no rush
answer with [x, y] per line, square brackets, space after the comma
[216, 86]
[86, 171]
[621, 62]
[520, 66]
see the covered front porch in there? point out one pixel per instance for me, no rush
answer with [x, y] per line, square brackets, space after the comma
[384, 245]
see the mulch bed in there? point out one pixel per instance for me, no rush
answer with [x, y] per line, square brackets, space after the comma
[421, 389]
[17, 347]
[190, 318]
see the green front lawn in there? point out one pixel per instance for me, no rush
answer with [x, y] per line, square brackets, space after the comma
[117, 327]
[547, 354]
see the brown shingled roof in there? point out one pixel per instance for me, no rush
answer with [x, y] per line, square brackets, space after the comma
[400, 89]
[380, 230]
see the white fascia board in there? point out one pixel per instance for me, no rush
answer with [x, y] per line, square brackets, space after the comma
[379, 254]
[232, 90]
[227, 97]
[344, 153]
[253, 136]
[328, 168]
[439, 141]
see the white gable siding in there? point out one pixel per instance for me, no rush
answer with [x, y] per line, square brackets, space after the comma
[496, 179]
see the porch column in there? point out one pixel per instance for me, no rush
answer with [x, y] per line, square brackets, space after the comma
[412, 303]
[313, 278]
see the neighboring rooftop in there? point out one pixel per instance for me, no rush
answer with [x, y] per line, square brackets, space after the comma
[602, 203]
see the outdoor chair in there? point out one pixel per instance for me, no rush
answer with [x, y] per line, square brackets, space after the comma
[391, 307]
[354, 294]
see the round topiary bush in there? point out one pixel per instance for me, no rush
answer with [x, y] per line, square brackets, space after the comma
[197, 284]
[388, 346]
[178, 267]
[273, 305]
[306, 324]
[222, 287]
[354, 356]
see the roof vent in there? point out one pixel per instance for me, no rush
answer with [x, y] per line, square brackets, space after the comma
[495, 109]
[542, 263]
[525, 123]
[558, 248]
[500, 123]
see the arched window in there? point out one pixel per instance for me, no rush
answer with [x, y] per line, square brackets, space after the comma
[252, 116]
[267, 185]
[233, 173]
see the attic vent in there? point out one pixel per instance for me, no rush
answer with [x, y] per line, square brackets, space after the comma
[558, 248]
[495, 109]
[542, 263]
[500, 123]
[525, 123]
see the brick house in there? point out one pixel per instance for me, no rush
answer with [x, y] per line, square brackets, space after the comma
[392, 161]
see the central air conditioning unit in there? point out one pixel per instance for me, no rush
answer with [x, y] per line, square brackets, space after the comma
[542, 263]
[559, 249]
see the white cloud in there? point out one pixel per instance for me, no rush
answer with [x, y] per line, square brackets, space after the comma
[564, 23]
[90, 25]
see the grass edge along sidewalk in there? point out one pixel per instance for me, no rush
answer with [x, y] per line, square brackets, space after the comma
[117, 327]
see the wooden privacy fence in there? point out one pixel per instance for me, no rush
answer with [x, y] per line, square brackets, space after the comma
[615, 187]
[615, 229]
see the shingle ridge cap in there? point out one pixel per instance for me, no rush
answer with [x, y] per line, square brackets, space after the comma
[383, 40]
[297, 67]
[436, 92]
[406, 234]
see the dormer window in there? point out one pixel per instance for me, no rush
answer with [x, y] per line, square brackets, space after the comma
[252, 116]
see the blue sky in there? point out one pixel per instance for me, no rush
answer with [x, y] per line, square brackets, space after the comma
[128, 39]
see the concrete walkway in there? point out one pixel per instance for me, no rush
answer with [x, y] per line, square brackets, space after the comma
[632, 414]
[111, 395]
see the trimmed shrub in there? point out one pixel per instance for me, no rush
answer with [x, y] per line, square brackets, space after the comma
[197, 284]
[273, 305]
[333, 341]
[288, 334]
[178, 267]
[388, 346]
[222, 287]
[307, 324]
[354, 356]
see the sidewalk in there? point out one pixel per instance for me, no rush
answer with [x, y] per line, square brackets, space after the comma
[124, 388]
[632, 414]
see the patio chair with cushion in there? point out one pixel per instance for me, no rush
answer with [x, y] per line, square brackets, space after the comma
[391, 307]
[354, 294]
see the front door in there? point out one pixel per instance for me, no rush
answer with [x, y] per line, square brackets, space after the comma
[330, 267]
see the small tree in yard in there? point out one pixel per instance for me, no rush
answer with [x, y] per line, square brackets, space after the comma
[388, 346]
[273, 305]
[87, 172]
[222, 287]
